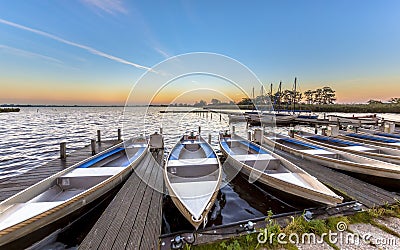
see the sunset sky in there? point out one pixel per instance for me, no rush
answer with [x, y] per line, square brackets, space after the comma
[93, 51]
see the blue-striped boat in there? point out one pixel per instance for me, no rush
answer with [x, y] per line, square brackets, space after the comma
[262, 165]
[47, 203]
[193, 177]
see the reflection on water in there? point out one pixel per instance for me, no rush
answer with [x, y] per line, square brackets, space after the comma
[31, 137]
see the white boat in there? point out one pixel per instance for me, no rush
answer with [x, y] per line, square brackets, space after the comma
[370, 139]
[193, 177]
[236, 118]
[368, 150]
[60, 195]
[273, 170]
[270, 118]
[368, 119]
[336, 159]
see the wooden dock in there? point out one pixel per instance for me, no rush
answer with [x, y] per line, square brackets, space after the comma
[134, 217]
[13, 185]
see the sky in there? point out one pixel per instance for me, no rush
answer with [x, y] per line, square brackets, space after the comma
[95, 51]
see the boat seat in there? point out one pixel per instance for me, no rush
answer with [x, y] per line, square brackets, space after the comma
[83, 178]
[192, 168]
[320, 152]
[190, 162]
[260, 162]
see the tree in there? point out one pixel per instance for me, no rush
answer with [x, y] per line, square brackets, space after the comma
[245, 101]
[374, 102]
[328, 95]
[309, 95]
[215, 101]
[395, 100]
[201, 103]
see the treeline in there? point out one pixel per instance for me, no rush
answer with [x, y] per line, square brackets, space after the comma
[325, 95]
[5, 110]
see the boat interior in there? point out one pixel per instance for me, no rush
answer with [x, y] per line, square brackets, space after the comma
[306, 147]
[192, 161]
[257, 158]
[342, 143]
[65, 187]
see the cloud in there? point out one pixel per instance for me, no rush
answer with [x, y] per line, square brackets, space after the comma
[109, 6]
[25, 53]
[77, 45]
[162, 52]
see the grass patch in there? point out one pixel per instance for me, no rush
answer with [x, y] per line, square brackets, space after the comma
[299, 226]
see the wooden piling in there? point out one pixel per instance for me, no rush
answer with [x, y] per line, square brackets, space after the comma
[93, 146]
[63, 150]
[98, 136]
[119, 134]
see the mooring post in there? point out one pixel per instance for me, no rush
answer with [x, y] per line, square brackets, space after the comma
[63, 150]
[93, 146]
[211, 116]
[220, 117]
[249, 135]
[233, 129]
[316, 129]
[98, 135]
[160, 130]
[199, 130]
[119, 134]
[209, 138]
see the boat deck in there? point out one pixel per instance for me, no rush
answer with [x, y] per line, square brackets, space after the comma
[133, 218]
[13, 185]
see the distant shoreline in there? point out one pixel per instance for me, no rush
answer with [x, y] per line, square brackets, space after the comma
[342, 108]
[6, 110]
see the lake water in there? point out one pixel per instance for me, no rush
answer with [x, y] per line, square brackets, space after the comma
[31, 138]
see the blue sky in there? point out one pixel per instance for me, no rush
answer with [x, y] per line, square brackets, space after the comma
[92, 51]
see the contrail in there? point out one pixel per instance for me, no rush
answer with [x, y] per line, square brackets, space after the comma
[87, 48]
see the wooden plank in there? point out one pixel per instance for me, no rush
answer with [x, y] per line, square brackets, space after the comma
[137, 232]
[153, 227]
[129, 218]
[116, 225]
[98, 232]
[133, 221]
